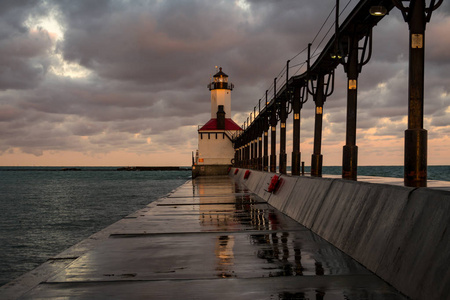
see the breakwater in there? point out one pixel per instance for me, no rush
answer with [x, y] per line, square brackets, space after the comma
[399, 233]
[211, 238]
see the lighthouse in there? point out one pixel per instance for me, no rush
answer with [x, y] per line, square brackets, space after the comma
[215, 147]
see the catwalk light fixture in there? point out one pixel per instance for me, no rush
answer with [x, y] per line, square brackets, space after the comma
[378, 11]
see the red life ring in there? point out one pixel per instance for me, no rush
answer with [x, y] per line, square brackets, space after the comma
[247, 174]
[273, 184]
[236, 171]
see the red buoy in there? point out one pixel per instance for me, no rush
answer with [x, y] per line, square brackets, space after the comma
[247, 174]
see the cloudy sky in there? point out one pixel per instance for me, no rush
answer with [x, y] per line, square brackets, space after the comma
[123, 83]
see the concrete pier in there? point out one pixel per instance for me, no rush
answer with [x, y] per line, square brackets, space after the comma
[399, 233]
[212, 238]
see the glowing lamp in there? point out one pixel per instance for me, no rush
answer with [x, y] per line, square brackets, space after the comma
[378, 11]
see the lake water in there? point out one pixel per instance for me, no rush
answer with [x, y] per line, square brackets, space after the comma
[44, 211]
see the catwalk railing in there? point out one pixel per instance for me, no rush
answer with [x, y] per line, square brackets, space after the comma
[351, 46]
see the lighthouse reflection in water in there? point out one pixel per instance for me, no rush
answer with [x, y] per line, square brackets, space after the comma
[256, 240]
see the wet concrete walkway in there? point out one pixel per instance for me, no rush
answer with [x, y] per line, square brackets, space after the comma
[210, 239]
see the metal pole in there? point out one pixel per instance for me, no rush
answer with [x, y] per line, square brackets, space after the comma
[283, 116]
[255, 146]
[350, 150]
[319, 99]
[296, 155]
[273, 140]
[260, 132]
[273, 123]
[249, 158]
[266, 139]
[283, 136]
[250, 151]
[415, 136]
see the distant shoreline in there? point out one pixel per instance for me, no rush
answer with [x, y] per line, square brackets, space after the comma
[53, 169]
[435, 172]
[154, 169]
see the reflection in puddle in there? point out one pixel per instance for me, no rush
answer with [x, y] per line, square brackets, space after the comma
[236, 213]
[225, 256]
[284, 256]
[319, 295]
[277, 252]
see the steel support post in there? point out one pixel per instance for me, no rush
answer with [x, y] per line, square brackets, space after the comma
[245, 156]
[266, 143]
[273, 140]
[252, 158]
[255, 151]
[266, 151]
[283, 156]
[350, 150]
[296, 155]
[248, 155]
[241, 157]
[260, 153]
[266, 139]
[256, 154]
[415, 136]
[316, 157]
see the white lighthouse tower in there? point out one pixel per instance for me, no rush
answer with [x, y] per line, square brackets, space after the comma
[215, 148]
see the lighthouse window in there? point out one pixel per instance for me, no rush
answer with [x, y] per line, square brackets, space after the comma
[220, 79]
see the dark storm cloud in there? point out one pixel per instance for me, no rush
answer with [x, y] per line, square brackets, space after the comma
[156, 43]
[148, 64]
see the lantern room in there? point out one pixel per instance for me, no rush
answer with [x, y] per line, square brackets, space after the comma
[220, 81]
[220, 93]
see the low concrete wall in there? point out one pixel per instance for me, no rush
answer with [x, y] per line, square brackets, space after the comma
[209, 170]
[402, 234]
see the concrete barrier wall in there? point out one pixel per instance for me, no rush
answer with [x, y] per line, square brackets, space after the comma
[402, 234]
[254, 180]
[418, 256]
[306, 199]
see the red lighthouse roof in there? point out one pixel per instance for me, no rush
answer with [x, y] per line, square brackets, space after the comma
[212, 125]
